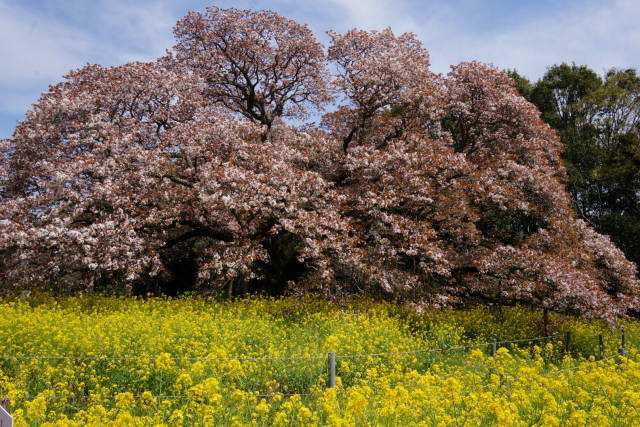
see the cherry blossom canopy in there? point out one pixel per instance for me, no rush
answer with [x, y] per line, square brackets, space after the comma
[183, 174]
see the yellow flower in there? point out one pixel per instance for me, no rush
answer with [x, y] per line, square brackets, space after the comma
[183, 382]
[36, 409]
[263, 407]
[125, 401]
[176, 418]
[357, 403]
[281, 419]
[147, 399]
[521, 386]
[164, 362]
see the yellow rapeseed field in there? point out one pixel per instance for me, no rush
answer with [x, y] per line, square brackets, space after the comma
[193, 361]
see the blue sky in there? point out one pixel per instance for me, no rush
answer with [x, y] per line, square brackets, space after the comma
[42, 39]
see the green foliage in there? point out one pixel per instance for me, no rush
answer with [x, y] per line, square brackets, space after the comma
[522, 84]
[598, 119]
[560, 94]
[509, 226]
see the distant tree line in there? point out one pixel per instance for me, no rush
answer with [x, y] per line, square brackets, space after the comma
[598, 120]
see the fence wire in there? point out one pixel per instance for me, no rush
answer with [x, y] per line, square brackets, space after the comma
[262, 395]
[243, 358]
[158, 397]
[192, 359]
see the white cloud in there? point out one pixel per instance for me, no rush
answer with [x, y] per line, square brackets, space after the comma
[148, 27]
[38, 48]
[375, 14]
[598, 34]
[35, 49]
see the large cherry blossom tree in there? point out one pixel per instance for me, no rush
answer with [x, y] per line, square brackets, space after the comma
[182, 174]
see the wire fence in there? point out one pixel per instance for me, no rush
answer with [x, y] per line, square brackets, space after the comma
[141, 396]
[269, 395]
[331, 359]
[243, 358]
[191, 359]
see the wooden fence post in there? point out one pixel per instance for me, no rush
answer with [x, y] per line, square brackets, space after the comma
[494, 347]
[332, 370]
[623, 339]
[6, 420]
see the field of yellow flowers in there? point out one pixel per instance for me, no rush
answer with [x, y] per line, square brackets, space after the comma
[263, 362]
